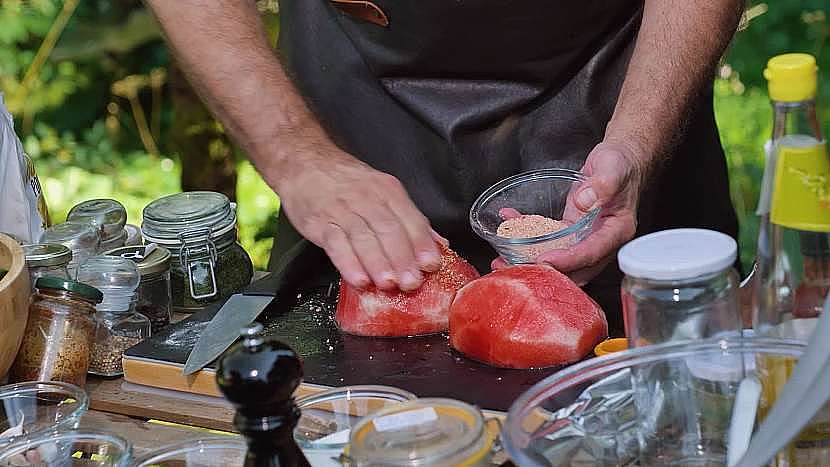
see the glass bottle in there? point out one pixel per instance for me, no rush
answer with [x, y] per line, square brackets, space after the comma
[153, 294]
[82, 237]
[793, 258]
[117, 325]
[58, 337]
[108, 215]
[199, 228]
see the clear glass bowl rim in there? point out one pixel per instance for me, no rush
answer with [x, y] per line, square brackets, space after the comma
[33, 387]
[518, 179]
[83, 435]
[176, 449]
[605, 365]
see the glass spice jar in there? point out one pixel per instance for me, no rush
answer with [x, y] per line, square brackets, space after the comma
[153, 294]
[207, 264]
[58, 337]
[83, 238]
[47, 259]
[117, 325]
[108, 215]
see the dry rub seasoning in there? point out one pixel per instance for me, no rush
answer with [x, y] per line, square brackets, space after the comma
[59, 333]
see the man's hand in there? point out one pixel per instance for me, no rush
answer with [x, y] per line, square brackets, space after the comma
[614, 180]
[364, 219]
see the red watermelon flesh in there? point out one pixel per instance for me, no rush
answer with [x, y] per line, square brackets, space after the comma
[373, 312]
[527, 316]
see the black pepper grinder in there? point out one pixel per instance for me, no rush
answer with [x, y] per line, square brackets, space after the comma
[258, 376]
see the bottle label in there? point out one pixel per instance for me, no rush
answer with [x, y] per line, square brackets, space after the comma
[801, 195]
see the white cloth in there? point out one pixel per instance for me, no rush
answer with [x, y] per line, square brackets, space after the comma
[22, 208]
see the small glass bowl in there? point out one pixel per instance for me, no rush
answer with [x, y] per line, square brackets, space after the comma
[328, 416]
[541, 192]
[32, 408]
[203, 452]
[69, 448]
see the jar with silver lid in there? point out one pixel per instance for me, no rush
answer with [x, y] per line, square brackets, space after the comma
[47, 259]
[153, 294]
[109, 215]
[199, 228]
[81, 237]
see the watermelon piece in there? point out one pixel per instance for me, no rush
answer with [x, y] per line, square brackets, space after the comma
[527, 316]
[378, 313]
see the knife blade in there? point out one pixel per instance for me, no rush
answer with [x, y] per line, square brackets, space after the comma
[239, 311]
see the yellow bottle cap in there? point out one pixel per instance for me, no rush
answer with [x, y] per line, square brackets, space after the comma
[792, 77]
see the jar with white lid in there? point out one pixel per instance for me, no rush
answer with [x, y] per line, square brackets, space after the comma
[199, 228]
[47, 259]
[108, 214]
[117, 325]
[679, 284]
[82, 237]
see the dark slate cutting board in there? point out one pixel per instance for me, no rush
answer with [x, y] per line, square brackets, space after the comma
[426, 366]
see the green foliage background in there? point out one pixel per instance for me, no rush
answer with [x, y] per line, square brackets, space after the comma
[79, 124]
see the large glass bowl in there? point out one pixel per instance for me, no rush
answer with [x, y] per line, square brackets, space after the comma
[34, 408]
[328, 417]
[541, 192]
[668, 404]
[203, 452]
[85, 448]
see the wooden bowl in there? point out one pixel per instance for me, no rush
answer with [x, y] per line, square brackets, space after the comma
[15, 293]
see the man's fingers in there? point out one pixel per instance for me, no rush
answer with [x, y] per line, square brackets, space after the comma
[394, 239]
[609, 234]
[368, 249]
[509, 213]
[420, 234]
[499, 263]
[337, 247]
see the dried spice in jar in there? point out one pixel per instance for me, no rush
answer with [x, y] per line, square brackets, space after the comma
[58, 338]
[153, 294]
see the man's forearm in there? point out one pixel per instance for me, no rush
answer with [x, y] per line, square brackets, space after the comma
[224, 51]
[678, 46]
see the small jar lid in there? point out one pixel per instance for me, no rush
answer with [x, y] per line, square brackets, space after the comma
[47, 254]
[677, 254]
[428, 431]
[156, 262]
[58, 283]
[74, 234]
[108, 214]
[167, 217]
[117, 278]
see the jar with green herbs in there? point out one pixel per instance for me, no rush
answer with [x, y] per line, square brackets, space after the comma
[59, 333]
[207, 264]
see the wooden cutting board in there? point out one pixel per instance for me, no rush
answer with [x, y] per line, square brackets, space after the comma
[425, 366]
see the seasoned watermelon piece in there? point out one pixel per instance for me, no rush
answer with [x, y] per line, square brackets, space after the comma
[527, 316]
[373, 312]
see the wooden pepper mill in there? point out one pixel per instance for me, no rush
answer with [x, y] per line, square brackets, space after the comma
[259, 376]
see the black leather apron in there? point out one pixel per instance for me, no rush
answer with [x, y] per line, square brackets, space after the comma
[453, 95]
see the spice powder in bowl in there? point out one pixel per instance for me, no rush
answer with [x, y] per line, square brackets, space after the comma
[532, 225]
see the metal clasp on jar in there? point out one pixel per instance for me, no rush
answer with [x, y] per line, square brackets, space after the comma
[198, 255]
